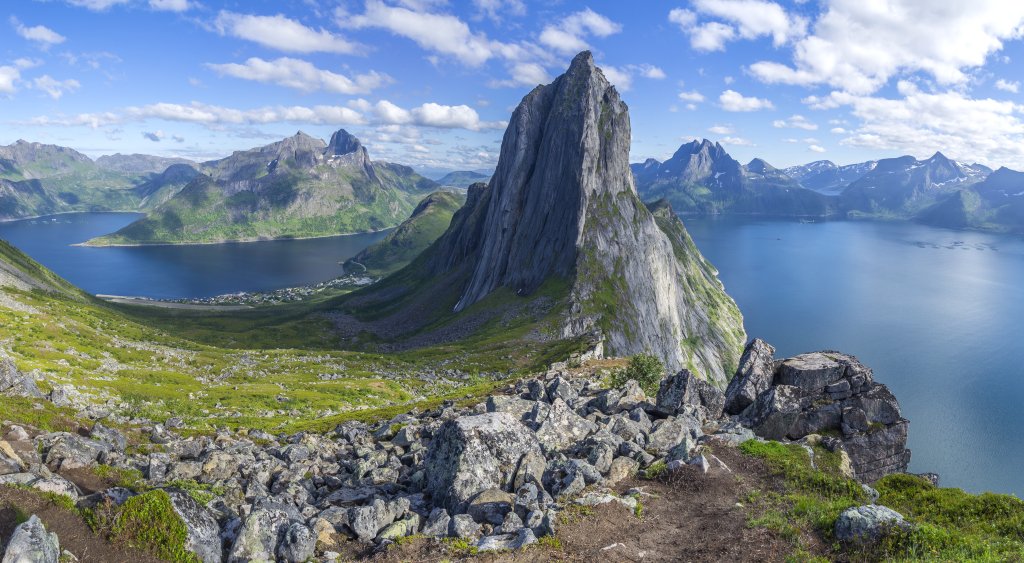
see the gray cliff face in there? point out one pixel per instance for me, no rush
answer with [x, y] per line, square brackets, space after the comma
[562, 205]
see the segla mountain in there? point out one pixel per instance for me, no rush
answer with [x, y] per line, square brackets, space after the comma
[297, 187]
[559, 234]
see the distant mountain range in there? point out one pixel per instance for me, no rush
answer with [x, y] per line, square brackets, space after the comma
[462, 179]
[295, 188]
[701, 178]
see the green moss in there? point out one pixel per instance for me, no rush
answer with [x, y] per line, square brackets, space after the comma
[202, 493]
[121, 477]
[656, 470]
[148, 521]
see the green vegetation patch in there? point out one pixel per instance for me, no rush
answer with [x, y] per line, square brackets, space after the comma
[645, 369]
[148, 521]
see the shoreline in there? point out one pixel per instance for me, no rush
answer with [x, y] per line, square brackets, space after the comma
[34, 217]
[231, 241]
[148, 302]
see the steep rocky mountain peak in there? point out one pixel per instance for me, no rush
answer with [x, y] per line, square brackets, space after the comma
[562, 205]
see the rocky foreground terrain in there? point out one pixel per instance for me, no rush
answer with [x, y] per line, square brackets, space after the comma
[497, 476]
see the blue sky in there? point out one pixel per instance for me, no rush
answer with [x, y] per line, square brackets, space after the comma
[431, 82]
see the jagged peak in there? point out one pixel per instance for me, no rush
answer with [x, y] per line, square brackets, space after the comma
[343, 142]
[760, 166]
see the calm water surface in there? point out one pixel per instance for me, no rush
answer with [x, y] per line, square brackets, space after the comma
[176, 271]
[937, 314]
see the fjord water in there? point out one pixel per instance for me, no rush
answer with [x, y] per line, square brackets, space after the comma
[936, 313]
[171, 272]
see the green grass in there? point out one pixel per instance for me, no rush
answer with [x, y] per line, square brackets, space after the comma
[949, 524]
[148, 521]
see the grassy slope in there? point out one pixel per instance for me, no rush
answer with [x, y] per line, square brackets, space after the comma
[275, 368]
[428, 222]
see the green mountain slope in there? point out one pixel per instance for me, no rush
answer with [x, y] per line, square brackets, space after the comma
[297, 187]
[427, 223]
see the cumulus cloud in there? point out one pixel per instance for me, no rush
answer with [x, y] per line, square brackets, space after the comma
[494, 9]
[692, 96]
[170, 5]
[441, 33]
[728, 20]
[569, 35]
[428, 115]
[731, 100]
[281, 33]
[974, 130]
[301, 75]
[736, 142]
[942, 38]
[9, 75]
[523, 74]
[43, 35]
[816, 148]
[53, 87]
[795, 122]
[721, 130]
[1008, 86]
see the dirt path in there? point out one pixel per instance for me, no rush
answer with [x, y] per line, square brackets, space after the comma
[687, 516]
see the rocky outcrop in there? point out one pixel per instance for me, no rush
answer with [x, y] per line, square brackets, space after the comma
[15, 383]
[822, 393]
[562, 206]
[867, 524]
[31, 543]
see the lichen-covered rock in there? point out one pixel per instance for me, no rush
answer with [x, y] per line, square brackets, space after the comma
[560, 427]
[203, 537]
[501, 542]
[753, 377]
[31, 543]
[259, 537]
[297, 545]
[475, 453]
[14, 382]
[868, 523]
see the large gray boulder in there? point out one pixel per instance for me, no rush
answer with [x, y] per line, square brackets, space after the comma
[31, 543]
[684, 388]
[753, 377]
[475, 453]
[259, 537]
[559, 427]
[868, 523]
[203, 537]
[14, 382]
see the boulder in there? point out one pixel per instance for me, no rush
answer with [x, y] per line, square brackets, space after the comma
[203, 537]
[70, 451]
[502, 542]
[490, 506]
[297, 545]
[811, 372]
[753, 377]
[31, 543]
[368, 521]
[475, 453]
[259, 537]
[868, 523]
[671, 431]
[561, 427]
[684, 388]
[437, 523]
[14, 382]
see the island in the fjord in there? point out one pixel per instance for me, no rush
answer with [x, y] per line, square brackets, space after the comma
[477, 400]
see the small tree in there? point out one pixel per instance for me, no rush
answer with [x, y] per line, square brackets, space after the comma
[646, 369]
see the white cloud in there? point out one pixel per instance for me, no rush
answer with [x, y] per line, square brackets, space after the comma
[974, 130]
[55, 88]
[620, 78]
[281, 33]
[97, 5]
[837, 130]
[493, 9]
[736, 142]
[430, 115]
[816, 148]
[692, 96]
[38, 33]
[721, 130]
[731, 100]
[795, 122]
[650, 71]
[170, 5]
[1008, 86]
[301, 75]
[437, 32]
[568, 36]
[858, 46]
[9, 75]
[736, 19]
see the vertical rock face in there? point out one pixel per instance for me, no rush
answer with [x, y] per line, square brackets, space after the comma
[562, 205]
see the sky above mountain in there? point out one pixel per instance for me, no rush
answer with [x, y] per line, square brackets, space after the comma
[431, 83]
